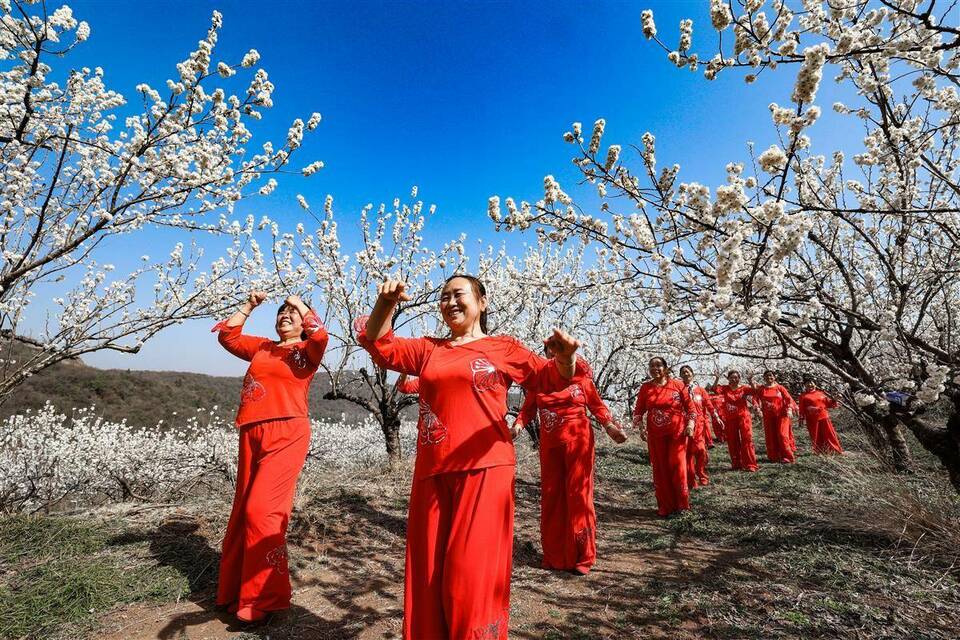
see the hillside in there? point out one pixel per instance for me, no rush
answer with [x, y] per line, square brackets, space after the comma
[144, 397]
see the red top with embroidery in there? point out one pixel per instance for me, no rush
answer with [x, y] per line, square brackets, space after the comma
[563, 413]
[702, 405]
[774, 401]
[735, 401]
[463, 395]
[814, 405]
[667, 407]
[277, 382]
[410, 386]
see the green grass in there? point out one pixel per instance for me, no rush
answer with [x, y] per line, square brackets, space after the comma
[59, 574]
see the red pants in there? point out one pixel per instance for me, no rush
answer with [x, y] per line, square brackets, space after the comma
[778, 438]
[459, 555]
[568, 522]
[739, 428]
[253, 565]
[697, 458]
[824, 436]
[668, 457]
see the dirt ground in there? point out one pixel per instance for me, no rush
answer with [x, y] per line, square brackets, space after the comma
[752, 561]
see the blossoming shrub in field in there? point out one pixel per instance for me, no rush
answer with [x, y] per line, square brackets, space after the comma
[48, 459]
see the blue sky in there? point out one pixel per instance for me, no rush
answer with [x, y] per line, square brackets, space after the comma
[463, 99]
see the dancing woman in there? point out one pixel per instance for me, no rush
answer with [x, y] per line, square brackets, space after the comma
[670, 422]
[460, 522]
[274, 438]
[737, 421]
[776, 407]
[704, 412]
[814, 404]
[568, 521]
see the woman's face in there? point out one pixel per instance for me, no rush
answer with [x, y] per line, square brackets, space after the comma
[686, 374]
[809, 385]
[657, 370]
[769, 378]
[459, 305]
[734, 378]
[289, 323]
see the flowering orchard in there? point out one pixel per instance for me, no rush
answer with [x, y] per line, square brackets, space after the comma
[838, 259]
[49, 460]
[84, 169]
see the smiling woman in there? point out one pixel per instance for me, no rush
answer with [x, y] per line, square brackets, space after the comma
[460, 522]
[274, 439]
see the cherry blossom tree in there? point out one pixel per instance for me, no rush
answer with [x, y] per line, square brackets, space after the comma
[84, 170]
[391, 245]
[837, 259]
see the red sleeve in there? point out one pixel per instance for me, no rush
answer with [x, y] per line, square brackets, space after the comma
[405, 355]
[595, 403]
[686, 402]
[830, 402]
[641, 407]
[410, 386]
[317, 337]
[532, 371]
[529, 408]
[240, 345]
[804, 402]
[791, 403]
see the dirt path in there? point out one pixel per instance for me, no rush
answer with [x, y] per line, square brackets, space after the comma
[747, 570]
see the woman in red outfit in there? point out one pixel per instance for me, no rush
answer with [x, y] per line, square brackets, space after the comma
[737, 421]
[697, 445]
[568, 521]
[776, 407]
[670, 422]
[274, 439]
[813, 408]
[460, 522]
[716, 403]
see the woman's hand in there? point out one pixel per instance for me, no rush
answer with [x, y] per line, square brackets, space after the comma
[390, 294]
[394, 291]
[691, 428]
[616, 432]
[256, 298]
[295, 302]
[564, 348]
[515, 429]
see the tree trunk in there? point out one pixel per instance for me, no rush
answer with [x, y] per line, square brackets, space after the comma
[885, 432]
[941, 442]
[899, 448]
[391, 436]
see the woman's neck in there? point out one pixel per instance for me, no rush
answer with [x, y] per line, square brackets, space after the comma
[662, 380]
[291, 340]
[466, 335]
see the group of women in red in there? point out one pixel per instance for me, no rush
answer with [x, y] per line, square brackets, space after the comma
[460, 522]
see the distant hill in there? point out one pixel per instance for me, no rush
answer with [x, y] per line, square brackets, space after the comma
[145, 397]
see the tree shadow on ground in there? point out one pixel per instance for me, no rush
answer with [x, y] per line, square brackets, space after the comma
[347, 586]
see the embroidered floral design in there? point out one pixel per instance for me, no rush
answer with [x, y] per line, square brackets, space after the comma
[485, 375]
[659, 417]
[252, 391]
[575, 391]
[582, 537]
[550, 420]
[277, 558]
[493, 630]
[731, 407]
[431, 429]
[297, 357]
